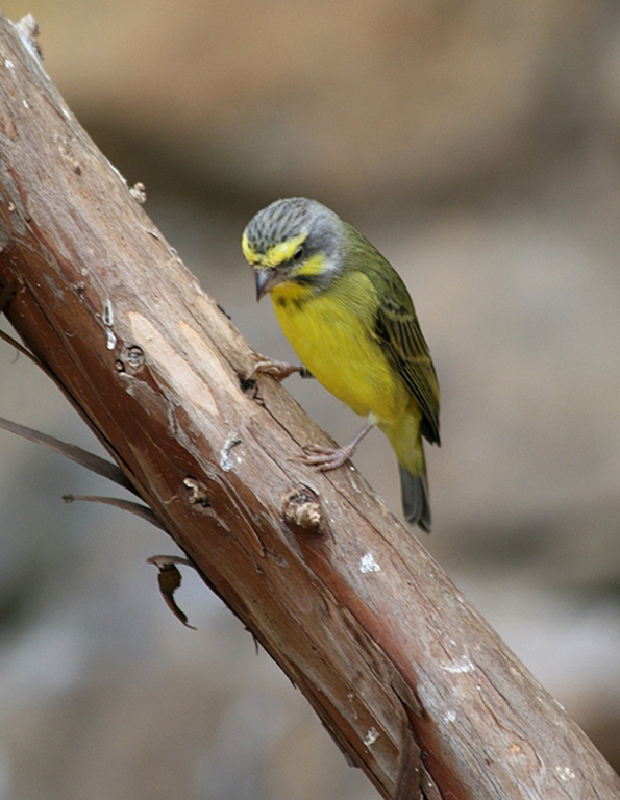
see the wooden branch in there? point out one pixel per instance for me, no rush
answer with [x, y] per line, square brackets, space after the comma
[397, 665]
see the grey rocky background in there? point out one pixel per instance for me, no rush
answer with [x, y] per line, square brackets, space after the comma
[478, 146]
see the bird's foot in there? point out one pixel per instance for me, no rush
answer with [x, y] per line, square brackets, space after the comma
[277, 369]
[326, 458]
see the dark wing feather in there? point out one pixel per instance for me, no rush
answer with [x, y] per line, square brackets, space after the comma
[400, 337]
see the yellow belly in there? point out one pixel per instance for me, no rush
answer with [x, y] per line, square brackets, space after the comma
[331, 335]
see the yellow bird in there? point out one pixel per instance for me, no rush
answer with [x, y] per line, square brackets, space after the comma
[353, 325]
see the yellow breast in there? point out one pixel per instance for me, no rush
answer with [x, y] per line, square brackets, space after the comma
[331, 333]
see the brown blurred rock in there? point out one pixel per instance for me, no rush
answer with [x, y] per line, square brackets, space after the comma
[330, 99]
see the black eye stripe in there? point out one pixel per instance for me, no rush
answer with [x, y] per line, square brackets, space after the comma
[306, 280]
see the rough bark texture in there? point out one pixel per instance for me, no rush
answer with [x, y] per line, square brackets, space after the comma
[404, 674]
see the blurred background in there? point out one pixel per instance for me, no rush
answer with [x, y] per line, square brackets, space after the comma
[477, 145]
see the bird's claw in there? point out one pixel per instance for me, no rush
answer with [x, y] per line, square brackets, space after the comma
[277, 369]
[326, 458]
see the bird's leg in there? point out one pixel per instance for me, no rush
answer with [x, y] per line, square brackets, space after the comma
[277, 369]
[326, 458]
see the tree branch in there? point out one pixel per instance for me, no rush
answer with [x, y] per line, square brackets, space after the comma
[391, 656]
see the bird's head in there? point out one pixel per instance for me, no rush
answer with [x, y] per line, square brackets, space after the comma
[295, 246]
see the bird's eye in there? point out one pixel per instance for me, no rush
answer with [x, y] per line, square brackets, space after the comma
[298, 253]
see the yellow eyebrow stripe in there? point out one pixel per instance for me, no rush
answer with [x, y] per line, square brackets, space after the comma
[283, 252]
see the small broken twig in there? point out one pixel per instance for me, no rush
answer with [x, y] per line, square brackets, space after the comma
[96, 464]
[169, 580]
[139, 510]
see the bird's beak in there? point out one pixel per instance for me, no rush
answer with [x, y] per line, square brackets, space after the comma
[266, 279]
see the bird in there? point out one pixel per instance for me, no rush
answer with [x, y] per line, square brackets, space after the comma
[352, 323]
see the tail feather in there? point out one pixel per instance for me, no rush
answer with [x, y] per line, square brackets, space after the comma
[416, 506]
